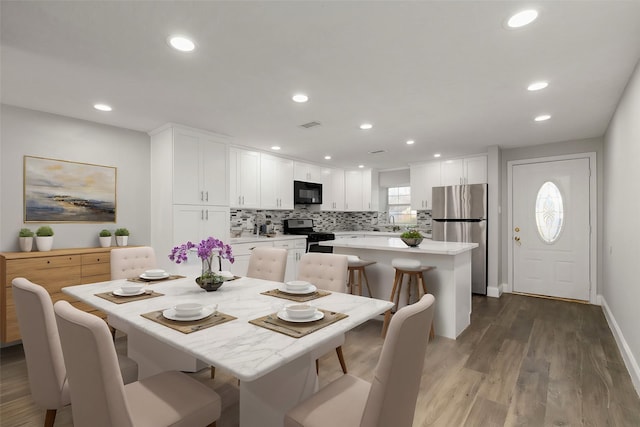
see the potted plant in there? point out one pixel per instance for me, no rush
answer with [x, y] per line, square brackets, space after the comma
[411, 238]
[105, 238]
[122, 236]
[26, 239]
[207, 250]
[44, 238]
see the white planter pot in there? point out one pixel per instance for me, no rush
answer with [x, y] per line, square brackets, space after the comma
[122, 240]
[105, 242]
[26, 244]
[44, 243]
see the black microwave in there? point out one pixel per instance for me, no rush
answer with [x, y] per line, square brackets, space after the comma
[307, 193]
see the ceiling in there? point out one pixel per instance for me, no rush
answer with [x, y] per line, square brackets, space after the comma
[446, 74]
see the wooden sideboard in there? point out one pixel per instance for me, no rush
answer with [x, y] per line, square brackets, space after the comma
[53, 270]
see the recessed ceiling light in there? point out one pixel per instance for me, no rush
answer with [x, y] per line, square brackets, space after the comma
[437, 155]
[102, 107]
[537, 86]
[523, 18]
[300, 97]
[275, 147]
[410, 142]
[542, 117]
[360, 166]
[181, 43]
[327, 157]
[366, 126]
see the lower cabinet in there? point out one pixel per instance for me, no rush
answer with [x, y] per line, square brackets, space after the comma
[53, 270]
[242, 253]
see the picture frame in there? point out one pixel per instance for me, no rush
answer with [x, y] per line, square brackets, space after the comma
[65, 191]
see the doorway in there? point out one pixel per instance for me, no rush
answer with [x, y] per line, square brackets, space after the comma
[552, 242]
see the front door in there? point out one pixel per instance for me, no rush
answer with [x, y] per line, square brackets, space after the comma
[551, 228]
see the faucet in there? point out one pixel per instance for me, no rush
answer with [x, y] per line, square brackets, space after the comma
[392, 220]
[257, 224]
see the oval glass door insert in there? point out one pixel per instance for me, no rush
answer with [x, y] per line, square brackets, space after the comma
[549, 212]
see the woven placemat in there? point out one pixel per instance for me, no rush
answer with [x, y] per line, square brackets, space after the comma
[109, 296]
[296, 297]
[189, 326]
[141, 280]
[294, 329]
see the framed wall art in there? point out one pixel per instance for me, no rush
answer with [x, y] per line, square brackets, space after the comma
[64, 191]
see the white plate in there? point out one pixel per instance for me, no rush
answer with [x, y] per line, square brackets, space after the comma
[170, 314]
[145, 277]
[120, 293]
[309, 290]
[282, 314]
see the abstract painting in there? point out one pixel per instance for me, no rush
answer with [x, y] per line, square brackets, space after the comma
[64, 191]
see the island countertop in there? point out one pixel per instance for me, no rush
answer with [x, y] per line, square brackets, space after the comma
[396, 245]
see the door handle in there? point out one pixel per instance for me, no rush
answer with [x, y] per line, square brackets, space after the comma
[517, 239]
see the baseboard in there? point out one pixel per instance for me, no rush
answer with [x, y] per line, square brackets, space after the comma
[629, 360]
[494, 291]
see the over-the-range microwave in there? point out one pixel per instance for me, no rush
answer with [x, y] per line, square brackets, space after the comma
[307, 193]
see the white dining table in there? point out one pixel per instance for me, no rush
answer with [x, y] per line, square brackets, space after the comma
[275, 371]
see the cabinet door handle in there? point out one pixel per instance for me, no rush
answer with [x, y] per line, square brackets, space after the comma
[202, 215]
[207, 215]
[239, 200]
[201, 195]
[242, 200]
[207, 196]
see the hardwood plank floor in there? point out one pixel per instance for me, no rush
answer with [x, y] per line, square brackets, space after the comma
[524, 361]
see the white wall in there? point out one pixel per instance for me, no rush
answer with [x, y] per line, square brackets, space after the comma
[621, 290]
[34, 133]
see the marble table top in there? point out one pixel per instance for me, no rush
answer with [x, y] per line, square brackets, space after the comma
[245, 350]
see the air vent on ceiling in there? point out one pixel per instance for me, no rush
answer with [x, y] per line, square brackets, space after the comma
[310, 125]
[376, 152]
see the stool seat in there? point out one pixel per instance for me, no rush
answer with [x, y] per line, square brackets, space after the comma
[414, 270]
[356, 268]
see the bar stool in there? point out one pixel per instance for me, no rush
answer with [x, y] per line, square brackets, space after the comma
[356, 268]
[414, 270]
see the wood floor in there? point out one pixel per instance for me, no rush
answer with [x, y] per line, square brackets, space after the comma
[523, 362]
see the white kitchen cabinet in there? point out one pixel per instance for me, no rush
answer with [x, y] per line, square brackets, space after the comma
[471, 170]
[199, 168]
[295, 249]
[242, 253]
[452, 172]
[244, 178]
[332, 189]
[276, 186]
[196, 223]
[424, 177]
[361, 190]
[307, 172]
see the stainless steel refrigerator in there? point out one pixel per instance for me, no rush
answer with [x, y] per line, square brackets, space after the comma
[459, 214]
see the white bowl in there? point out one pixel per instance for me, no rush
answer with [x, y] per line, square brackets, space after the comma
[187, 309]
[131, 288]
[300, 311]
[154, 273]
[297, 285]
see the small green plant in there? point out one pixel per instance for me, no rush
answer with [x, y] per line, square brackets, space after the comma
[44, 231]
[25, 232]
[105, 233]
[411, 234]
[121, 232]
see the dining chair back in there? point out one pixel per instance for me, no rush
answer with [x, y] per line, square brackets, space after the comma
[268, 264]
[98, 394]
[131, 262]
[43, 352]
[390, 400]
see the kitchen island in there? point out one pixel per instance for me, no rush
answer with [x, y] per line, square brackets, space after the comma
[449, 282]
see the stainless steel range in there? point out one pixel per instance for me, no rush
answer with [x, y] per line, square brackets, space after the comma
[304, 227]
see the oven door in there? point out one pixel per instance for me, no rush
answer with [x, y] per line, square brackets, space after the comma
[315, 247]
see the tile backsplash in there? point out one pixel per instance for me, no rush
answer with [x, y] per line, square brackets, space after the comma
[244, 219]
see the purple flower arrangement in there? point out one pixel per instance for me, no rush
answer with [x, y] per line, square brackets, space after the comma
[207, 249]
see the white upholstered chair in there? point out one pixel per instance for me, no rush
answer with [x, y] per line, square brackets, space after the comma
[100, 399]
[131, 262]
[268, 264]
[43, 353]
[328, 272]
[390, 399]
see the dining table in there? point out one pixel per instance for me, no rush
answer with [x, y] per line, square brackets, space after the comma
[273, 362]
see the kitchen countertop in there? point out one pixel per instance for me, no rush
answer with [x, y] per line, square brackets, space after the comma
[252, 238]
[394, 244]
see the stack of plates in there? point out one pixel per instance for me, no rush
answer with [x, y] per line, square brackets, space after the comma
[155, 274]
[298, 287]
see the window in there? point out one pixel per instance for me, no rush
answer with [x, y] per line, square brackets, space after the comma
[399, 205]
[549, 212]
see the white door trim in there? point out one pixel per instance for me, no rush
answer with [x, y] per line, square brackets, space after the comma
[593, 217]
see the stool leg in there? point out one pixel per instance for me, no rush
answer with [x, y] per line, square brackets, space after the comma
[359, 280]
[350, 284]
[366, 280]
[399, 291]
[387, 314]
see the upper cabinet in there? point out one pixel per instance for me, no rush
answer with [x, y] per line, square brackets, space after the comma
[424, 177]
[332, 189]
[199, 168]
[307, 172]
[244, 178]
[472, 170]
[276, 187]
[361, 190]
